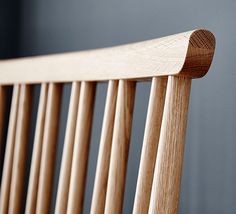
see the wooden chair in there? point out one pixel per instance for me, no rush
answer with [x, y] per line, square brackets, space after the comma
[170, 63]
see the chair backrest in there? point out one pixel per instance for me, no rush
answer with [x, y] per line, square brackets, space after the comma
[170, 63]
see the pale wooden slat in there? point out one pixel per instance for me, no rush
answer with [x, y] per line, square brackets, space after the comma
[2, 112]
[188, 53]
[64, 179]
[9, 152]
[120, 147]
[37, 151]
[20, 149]
[49, 149]
[168, 169]
[150, 145]
[100, 184]
[81, 148]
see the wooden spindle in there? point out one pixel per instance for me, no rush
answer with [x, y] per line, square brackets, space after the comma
[65, 172]
[120, 147]
[100, 184]
[49, 149]
[9, 152]
[20, 149]
[37, 151]
[81, 148]
[168, 169]
[150, 145]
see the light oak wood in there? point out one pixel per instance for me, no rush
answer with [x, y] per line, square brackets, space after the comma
[9, 152]
[189, 54]
[120, 147]
[65, 172]
[2, 114]
[37, 152]
[179, 58]
[100, 184]
[150, 145]
[48, 149]
[20, 149]
[168, 169]
[81, 148]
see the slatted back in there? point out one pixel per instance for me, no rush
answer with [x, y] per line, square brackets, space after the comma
[169, 63]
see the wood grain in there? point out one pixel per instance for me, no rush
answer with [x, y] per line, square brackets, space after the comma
[150, 145]
[65, 172]
[81, 148]
[188, 54]
[181, 57]
[49, 149]
[120, 147]
[168, 169]
[37, 152]
[9, 152]
[100, 184]
[18, 170]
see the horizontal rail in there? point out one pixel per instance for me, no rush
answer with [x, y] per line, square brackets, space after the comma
[189, 54]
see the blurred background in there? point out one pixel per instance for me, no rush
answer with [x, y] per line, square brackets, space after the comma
[36, 27]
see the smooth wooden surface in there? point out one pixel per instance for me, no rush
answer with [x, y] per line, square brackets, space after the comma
[181, 57]
[100, 184]
[9, 152]
[188, 54]
[2, 114]
[18, 170]
[120, 147]
[168, 168]
[48, 149]
[65, 172]
[150, 145]
[37, 152]
[81, 148]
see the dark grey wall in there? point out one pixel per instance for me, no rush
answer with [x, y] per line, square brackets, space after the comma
[10, 18]
[208, 184]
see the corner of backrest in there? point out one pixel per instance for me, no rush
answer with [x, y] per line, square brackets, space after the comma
[199, 55]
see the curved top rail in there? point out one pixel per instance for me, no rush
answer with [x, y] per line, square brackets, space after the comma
[189, 54]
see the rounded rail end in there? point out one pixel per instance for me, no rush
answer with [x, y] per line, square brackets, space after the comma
[199, 55]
